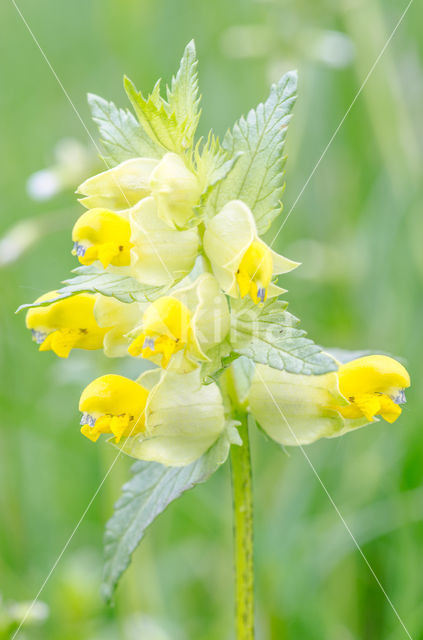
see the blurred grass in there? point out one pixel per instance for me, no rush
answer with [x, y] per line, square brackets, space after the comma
[357, 228]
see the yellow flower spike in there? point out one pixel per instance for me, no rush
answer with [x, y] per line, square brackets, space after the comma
[373, 385]
[166, 329]
[175, 189]
[102, 235]
[254, 273]
[113, 404]
[242, 263]
[66, 324]
[120, 187]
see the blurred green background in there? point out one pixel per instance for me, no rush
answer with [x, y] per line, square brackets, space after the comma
[358, 230]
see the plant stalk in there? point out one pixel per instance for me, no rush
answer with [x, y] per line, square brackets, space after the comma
[243, 532]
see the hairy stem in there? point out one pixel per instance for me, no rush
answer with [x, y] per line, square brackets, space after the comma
[243, 532]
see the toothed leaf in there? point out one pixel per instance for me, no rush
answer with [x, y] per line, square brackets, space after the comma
[258, 177]
[121, 135]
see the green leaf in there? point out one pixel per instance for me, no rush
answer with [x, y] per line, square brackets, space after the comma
[153, 113]
[152, 487]
[183, 95]
[123, 288]
[258, 177]
[212, 164]
[268, 335]
[121, 135]
[220, 358]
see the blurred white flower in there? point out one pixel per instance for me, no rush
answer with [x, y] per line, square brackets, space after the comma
[71, 161]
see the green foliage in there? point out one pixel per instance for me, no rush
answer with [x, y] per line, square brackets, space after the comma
[160, 125]
[258, 176]
[120, 134]
[212, 165]
[377, 302]
[183, 95]
[220, 357]
[91, 280]
[268, 335]
[152, 487]
[171, 124]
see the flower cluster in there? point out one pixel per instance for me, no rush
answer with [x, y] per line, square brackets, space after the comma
[182, 229]
[142, 221]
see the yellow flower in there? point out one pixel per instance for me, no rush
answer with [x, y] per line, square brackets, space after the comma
[175, 189]
[242, 263]
[120, 187]
[255, 272]
[163, 417]
[113, 404]
[373, 385]
[189, 322]
[66, 324]
[296, 409]
[102, 235]
[166, 330]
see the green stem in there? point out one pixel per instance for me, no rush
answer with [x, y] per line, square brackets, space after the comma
[243, 532]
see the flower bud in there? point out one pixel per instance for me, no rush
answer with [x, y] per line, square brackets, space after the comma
[242, 263]
[66, 324]
[120, 187]
[175, 189]
[102, 235]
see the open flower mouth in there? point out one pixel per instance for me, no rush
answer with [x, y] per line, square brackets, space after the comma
[79, 249]
[399, 397]
[38, 336]
[261, 293]
[87, 419]
[148, 343]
